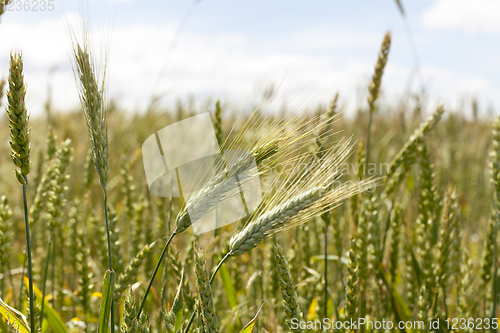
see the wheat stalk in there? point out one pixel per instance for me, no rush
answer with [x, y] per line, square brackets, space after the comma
[95, 112]
[20, 153]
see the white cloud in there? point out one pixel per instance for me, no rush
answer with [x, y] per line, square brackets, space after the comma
[450, 89]
[227, 66]
[471, 16]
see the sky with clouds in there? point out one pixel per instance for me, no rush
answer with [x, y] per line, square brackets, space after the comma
[235, 50]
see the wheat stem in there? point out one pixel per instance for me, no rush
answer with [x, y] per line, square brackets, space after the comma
[158, 264]
[28, 250]
[45, 275]
[109, 249]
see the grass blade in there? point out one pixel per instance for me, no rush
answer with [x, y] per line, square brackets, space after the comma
[108, 287]
[227, 283]
[3, 327]
[14, 316]
[400, 6]
[249, 327]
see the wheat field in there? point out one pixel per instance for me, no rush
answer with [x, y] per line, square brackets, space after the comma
[389, 215]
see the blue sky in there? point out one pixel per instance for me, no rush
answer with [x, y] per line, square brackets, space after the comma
[234, 50]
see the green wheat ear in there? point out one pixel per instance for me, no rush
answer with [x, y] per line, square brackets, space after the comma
[18, 118]
[92, 97]
[374, 88]
[205, 294]
[290, 300]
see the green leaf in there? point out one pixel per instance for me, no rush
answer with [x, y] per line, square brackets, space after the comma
[227, 283]
[249, 327]
[53, 318]
[3, 327]
[108, 287]
[177, 306]
[14, 316]
[45, 326]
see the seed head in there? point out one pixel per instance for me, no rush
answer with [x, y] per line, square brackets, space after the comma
[18, 119]
[374, 87]
[205, 294]
[92, 98]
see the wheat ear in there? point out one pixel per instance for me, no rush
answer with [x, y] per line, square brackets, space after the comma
[374, 88]
[95, 111]
[290, 302]
[20, 154]
[205, 294]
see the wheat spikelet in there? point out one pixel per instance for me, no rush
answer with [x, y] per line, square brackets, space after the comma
[365, 238]
[352, 284]
[20, 154]
[395, 240]
[116, 249]
[495, 158]
[205, 294]
[374, 87]
[94, 108]
[5, 234]
[423, 309]
[426, 222]
[18, 119]
[466, 304]
[57, 188]
[218, 124]
[2, 86]
[282, 139]
[447, 237]
[487, 259]
[73, 240]
[43, 187]
[127, 190]
[88, 174]
[44, 159]
[138, 229]
[407, 155]
[355, 199]
[85, 285]
[302, 196]
[290, 302]
[125, 279]
[129, 323]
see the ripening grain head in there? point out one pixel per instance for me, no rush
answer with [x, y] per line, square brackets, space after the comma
[18, 118]
[92, 97]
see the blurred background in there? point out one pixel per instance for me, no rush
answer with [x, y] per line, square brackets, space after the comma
[193, 51]
[170, 60]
